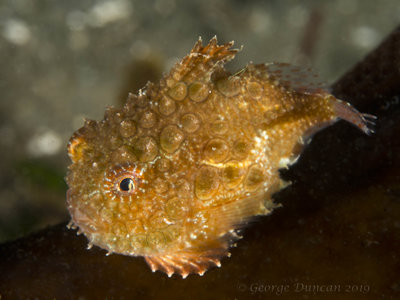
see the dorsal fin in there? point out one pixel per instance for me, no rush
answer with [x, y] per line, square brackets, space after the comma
[201, 61]
[299, 79]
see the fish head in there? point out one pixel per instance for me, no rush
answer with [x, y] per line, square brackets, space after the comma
[124, 192]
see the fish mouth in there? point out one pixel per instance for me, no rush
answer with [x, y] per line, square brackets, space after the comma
[79, 216]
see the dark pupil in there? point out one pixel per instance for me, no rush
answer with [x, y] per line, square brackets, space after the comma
[126, 184]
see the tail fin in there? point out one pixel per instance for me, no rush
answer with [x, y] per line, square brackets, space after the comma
[347, 112]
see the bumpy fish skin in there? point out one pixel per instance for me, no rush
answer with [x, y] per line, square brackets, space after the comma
[187, 162]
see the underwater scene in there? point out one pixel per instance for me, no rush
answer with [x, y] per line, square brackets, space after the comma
[211, 149]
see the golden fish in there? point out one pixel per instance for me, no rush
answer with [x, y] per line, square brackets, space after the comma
[187, 162]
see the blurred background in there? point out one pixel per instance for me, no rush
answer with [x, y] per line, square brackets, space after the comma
[63, 61]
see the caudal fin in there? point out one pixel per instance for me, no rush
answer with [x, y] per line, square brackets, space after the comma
[364, 122]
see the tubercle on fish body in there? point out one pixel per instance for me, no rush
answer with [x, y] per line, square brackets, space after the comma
[185, 164]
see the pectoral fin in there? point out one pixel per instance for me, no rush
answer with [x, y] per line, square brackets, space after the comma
[186, 262]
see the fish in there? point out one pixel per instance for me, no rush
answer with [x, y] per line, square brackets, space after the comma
[177, 172]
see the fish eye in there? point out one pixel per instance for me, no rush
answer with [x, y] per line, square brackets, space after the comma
[127, 185]
[122, 181]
